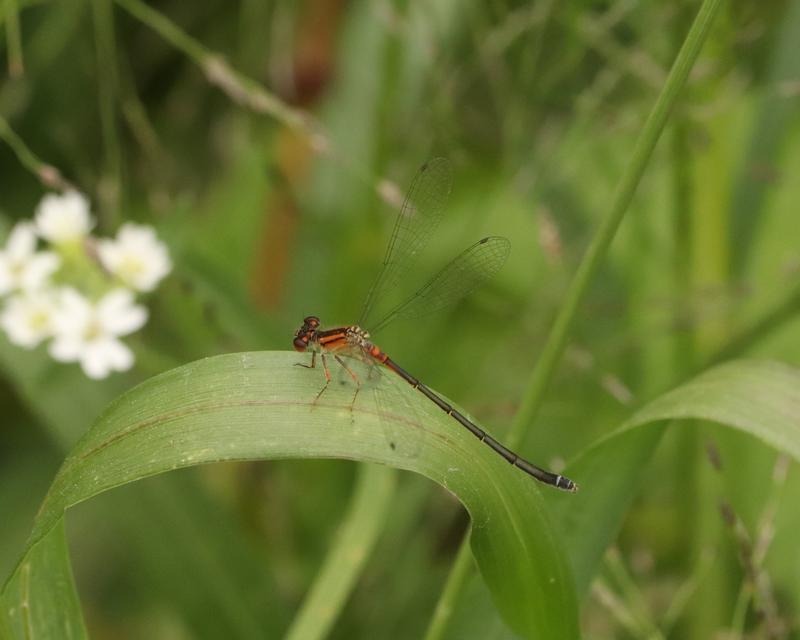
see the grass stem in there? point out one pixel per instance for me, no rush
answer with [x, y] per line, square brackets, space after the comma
[108, 96]
[47, 174]
[16, 67]
[556, 342]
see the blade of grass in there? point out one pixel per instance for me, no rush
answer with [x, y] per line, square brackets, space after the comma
[776, 110]
[759, 398]
[645, 144]
[456, 580]
[683, 346]
[5, 621]
[358, 532]
[557, 339]
[234, 407]
[40, 600]
[16, 68]
[258, 405]
[108, 95]
[711, 171]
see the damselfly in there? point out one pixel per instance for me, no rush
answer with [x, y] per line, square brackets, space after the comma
[420, 215]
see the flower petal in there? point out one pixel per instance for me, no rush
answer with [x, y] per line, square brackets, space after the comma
[136, 257]
[63, 218]
[66, 348]
[21, 242]
[39, 269]
[73, 313]
[95, 361]
[119, 355]
[6, 277]
[27, 319]
[118, 315]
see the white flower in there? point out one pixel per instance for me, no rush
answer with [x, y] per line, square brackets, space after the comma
[63, 218]
[136, 256]
[21, 267]
[87, 332]
[28, 318]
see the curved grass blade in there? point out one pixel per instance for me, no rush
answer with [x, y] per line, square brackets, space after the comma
[757, 397]
[760, 398]
[259, 406]
[421, 213]
[161, 424]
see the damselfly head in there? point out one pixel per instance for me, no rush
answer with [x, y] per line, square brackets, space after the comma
[305, 333]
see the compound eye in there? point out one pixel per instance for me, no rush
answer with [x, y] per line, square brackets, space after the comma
[312, 321]
[300, 344]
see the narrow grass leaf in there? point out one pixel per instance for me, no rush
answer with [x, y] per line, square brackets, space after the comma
[355, 539]
[258, 405]
[40, 600]
[757, 397]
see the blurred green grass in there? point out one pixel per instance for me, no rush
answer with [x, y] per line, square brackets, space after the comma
[537, 106]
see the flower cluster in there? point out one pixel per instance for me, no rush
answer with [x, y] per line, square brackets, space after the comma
[78, 293]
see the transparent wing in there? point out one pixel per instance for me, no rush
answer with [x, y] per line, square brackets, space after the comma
[420, 215]
[401, 423]
[382, 392]
[471, 268]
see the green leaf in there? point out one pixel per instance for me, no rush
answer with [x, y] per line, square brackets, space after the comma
[258, 405]
[768, 138]
[5, 621]
[343, 564]
[40, 600]
[756, 397]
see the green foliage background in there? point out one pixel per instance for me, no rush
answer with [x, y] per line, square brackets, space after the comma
[275, 186]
